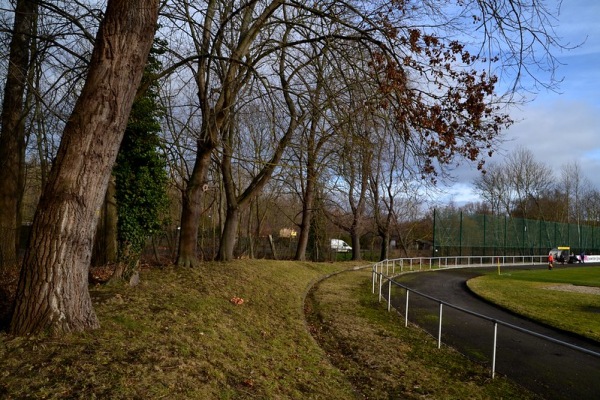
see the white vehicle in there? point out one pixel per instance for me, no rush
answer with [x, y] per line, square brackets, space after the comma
[339, 246]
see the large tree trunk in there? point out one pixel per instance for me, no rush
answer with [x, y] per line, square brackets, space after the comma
[385, 245]
[106, 243]
[307, 207]
[229, 235]
[53, 289]
[12, 136]
[355, 238]
[304, 231]
[191, 209]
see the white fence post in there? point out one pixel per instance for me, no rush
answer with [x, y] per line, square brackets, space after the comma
[389, 294]
[495, 348]
[440, 328]
[380, 284]
[406, 309]
[373, 274]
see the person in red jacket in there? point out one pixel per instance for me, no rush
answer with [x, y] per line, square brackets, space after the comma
[550, 261]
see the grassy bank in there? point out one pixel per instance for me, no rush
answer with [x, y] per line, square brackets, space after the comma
[548, 296]
[385, 360]
[237, 331]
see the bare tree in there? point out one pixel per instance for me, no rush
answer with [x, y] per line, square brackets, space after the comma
[518, 186]
[441, 91]
[572, 188]
[355, 160]
[312, 150]
[493, 186]
[394, 186]
[222, 41]
[529, 179]
[591, 206]
[50, 53]
[576, 190]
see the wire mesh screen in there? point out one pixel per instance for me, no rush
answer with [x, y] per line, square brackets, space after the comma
[459, 234]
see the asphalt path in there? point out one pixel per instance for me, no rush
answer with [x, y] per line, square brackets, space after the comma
[552, 370]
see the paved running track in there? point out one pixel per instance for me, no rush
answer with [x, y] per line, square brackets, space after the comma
[551, 370]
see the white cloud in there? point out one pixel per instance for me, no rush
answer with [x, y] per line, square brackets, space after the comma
[556, 133]
[559, 133]
[558, 128]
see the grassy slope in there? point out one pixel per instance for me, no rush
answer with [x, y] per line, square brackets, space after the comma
[177, 335]
[385, 360]
[526, 293]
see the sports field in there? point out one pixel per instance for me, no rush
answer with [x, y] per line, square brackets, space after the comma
[566, 297]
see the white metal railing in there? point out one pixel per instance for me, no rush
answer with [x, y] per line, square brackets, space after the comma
[400, 265]
[410, 264]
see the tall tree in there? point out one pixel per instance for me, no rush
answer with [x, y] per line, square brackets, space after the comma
[52, 294]
[494, 187]
[222, 43]
[443, 94]
[389, 180]
[312, 151]
[354, 172]
[572, 187]
[235, 201]
[12, 134]
[529, 179]
[313, 142]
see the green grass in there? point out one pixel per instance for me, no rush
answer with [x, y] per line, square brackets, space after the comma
[528, 293]
[178, 335]
[385, 360]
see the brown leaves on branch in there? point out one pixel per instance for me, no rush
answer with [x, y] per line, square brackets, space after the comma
[444, 106]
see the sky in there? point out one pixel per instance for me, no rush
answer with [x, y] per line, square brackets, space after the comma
[557, 127]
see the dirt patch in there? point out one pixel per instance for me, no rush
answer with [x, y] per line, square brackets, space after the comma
[574, 288]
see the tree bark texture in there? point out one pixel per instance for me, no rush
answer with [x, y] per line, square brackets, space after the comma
[106, 244]
[53, 289]
[191, 209]
[308, 195]
[307, 207]
[385, 245]
[12, 136]
[229, 235]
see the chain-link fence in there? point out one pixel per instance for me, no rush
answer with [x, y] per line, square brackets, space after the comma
[162, 248]
[460, 234]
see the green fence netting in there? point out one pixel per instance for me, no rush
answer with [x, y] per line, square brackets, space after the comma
[461, 234]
